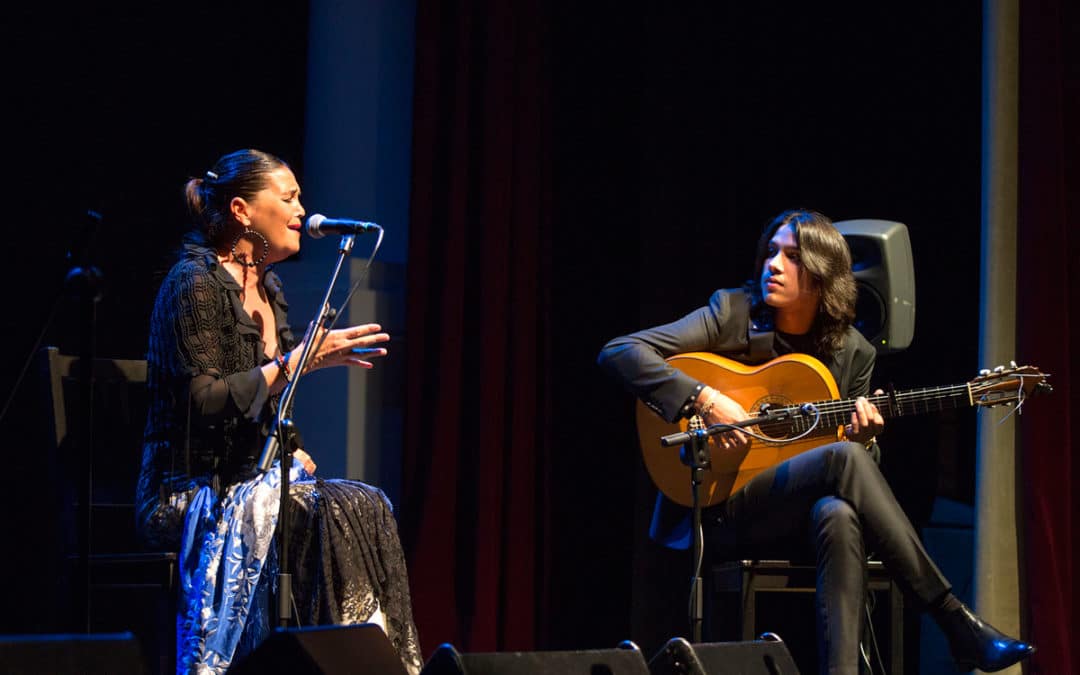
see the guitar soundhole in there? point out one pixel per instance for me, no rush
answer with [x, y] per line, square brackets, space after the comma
[779, 431]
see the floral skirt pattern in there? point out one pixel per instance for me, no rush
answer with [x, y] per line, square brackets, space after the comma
[345, 559]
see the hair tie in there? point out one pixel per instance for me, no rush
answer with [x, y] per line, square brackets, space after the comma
[211, 175]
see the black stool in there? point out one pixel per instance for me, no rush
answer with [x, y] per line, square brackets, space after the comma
[748, 578]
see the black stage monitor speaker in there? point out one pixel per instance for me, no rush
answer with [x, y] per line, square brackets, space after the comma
[767, 656]
[324, 650]
[885, 274]
[81, 654]
[622, 661]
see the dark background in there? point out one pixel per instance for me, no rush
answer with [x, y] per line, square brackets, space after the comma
[111, 109]
[676, 133]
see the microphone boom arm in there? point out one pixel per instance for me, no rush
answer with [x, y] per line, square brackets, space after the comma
[270, 448]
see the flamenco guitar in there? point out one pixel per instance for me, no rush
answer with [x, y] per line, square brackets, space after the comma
[786, 383]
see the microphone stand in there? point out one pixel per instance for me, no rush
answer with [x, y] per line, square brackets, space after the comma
[696, 455]
[281, 441]
[85, 283]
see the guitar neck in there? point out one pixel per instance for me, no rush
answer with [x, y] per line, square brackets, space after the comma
[836, 413]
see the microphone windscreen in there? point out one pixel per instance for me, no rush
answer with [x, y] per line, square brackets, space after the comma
[314, 223]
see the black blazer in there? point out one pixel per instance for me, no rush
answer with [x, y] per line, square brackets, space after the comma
[724, 326]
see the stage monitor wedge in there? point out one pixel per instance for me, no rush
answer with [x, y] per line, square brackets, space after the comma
[766, 656]
[360, 649]
[885, 275]
[621, 661]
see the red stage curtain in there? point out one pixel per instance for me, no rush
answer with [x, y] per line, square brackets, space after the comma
[474, 510]
[1049, 319]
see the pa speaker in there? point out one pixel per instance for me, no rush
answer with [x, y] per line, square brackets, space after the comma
[885, 274]
[757, 657]
[626, 660]
[324, 650]
[85, 654]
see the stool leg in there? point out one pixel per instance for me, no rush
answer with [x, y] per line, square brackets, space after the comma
[896, 605]
[749, 606]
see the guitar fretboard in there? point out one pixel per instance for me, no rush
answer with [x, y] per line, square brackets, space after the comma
[912, 402]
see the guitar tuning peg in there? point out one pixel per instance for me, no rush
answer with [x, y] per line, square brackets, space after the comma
[1012, 365]
[999, 369]
[984, 372]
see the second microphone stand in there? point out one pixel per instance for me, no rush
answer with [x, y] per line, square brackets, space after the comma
[281, 441]
[696, 455]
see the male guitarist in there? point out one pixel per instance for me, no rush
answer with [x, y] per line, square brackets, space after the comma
[802, 300]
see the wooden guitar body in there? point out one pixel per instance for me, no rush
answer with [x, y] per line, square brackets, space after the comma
[784, 381]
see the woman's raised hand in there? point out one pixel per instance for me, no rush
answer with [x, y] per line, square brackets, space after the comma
[353, 346]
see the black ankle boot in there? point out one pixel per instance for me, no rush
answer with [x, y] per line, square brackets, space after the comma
[976, 644]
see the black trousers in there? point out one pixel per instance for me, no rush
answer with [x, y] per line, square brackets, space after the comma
[833, 502]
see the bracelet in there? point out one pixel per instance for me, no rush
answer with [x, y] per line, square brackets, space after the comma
[704, 410]
[283, 365]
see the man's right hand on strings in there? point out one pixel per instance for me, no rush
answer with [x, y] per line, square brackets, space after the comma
[717, 408]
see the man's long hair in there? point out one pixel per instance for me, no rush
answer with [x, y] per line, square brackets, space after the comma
[827, 259]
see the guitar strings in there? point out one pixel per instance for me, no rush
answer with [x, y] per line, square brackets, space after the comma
[1021, 397]
[834, 412]
[767, 439]
[925, 397]
[839, 409]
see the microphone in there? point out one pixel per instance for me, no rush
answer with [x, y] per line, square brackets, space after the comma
[318, 226]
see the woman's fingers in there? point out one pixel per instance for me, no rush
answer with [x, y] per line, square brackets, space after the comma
[305, 460]
[362, 330]
[368, 352]
[352, 346]
[369, 340]
[362, 336]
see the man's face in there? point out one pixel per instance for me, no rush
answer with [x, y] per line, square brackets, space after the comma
[785, 283]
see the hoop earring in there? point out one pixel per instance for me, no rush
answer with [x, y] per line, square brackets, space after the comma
[265, 244]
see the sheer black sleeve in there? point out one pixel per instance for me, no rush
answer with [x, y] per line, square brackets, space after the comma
[200, 309]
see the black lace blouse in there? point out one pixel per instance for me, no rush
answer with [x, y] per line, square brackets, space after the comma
[209, 405]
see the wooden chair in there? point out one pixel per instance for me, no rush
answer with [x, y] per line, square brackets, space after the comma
[125, 587]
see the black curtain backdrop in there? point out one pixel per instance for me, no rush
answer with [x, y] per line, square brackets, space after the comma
[476, 487]
[675, 133]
